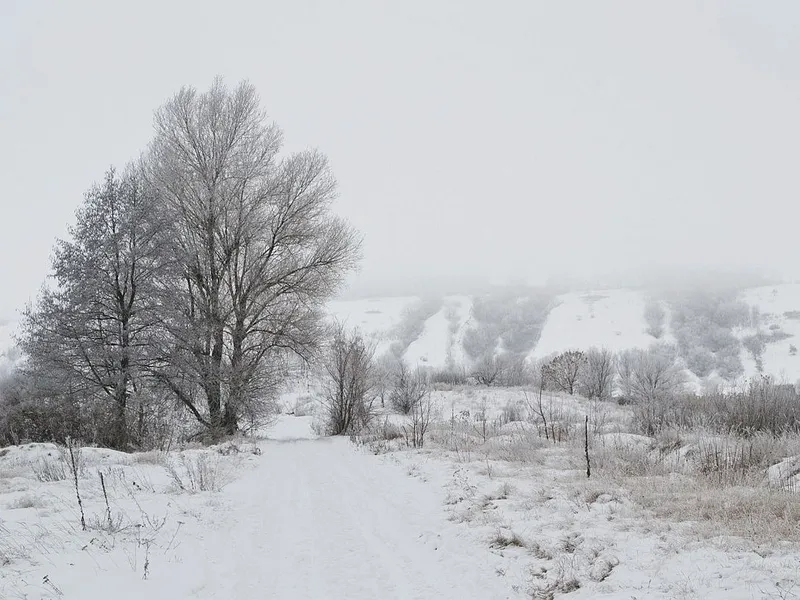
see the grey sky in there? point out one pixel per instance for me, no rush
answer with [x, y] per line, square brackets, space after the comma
[469, 138]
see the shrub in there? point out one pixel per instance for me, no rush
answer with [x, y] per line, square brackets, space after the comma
[409, 388]
[563, 371]
[198, 473]
[700, 361]
[348, 369]
[449, 376]
[654, 316]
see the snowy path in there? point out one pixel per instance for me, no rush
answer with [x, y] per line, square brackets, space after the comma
[318, 520]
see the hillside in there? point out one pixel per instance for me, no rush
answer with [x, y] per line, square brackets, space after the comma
[713, 331]
[729, 335]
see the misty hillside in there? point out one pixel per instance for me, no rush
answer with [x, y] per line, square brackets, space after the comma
[726, 335]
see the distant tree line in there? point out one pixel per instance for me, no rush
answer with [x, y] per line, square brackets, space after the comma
[189, 282]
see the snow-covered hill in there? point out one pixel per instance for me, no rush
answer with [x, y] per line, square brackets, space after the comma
[777, 320]
[454, 329]
[611, 319]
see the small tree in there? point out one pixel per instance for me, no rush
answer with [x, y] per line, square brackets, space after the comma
[488, 370]
[348, 370]
[410, 387]
[564, 370]
[654, 316]
[651, 379]
[597, 377]
[422, 413]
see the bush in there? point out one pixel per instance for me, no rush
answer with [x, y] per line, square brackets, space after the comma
[563, 372]
[654, 316]
[761, 407]
[651, 379]
[509, 317]
[409, 388]
[702, 323]
[199, 472]
[449, 376]
[700, 361]
[348, 372]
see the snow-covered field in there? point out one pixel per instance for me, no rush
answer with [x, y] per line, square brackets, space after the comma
[488, 509]
[645, 525]
[611, 319]
[302, 518]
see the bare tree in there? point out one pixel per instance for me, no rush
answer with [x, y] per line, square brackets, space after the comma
[423, 411]
[651, 379]
[654, 316]
[564, 370]
[348, 370]
[409, 388]
[386, 367]
[488, 370]
[257, 250]
[597, 375]
[91, 330]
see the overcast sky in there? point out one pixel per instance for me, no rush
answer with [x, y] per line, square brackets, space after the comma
[488, 139]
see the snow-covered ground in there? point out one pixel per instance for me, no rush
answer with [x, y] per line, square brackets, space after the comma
[509, 515]
[611, 319]
[440, 341]
[779, 307]
[377, 318]
[304, 518]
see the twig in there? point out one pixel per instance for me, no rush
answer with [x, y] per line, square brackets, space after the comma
[105, 495]
[75, 479]
[586, 446]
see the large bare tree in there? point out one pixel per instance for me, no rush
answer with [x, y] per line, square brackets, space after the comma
[257, 250]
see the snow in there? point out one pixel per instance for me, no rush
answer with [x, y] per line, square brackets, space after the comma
[376, 318]
[611, 319]
[311, 517]
[461, 319]
[773, 302]
[441, 336]
[307, 518]
[430, 349]
[317, 519]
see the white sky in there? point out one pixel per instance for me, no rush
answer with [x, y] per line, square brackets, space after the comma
[492, 140]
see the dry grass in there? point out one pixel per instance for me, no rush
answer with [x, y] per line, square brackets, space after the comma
[26, 501]
[199, 473]
[759, 514]
[504, 539]
[152, 457]
[718, 482]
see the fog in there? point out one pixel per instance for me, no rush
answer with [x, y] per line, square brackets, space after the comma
[473, 142]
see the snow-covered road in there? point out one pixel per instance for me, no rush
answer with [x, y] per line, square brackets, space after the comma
[319, 520]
